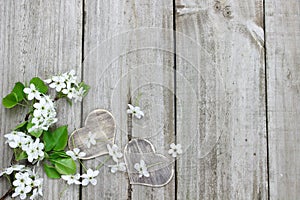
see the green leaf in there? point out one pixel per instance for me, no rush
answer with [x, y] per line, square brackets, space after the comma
[85, 87]
[57, 140]
[51, 171]
[58, 154]
[10, 101]
[69, 102]
[36, 134]
[60, 95]
[46, 155]
[18, 90]
[49, 141]
[20, 154]
[61, 137]
[21, 127]
[65, 166]
[40, 85]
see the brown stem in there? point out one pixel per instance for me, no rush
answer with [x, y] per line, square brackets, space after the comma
[8, 193]
[27, 117]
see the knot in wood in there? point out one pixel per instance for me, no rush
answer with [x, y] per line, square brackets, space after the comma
[218, 6]
[227, 12]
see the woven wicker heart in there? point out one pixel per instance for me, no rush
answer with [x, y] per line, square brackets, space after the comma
[92, 139]
[159, 167]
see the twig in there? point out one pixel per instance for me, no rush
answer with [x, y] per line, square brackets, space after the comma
[27, 116]
[102, 164]
[8, 193]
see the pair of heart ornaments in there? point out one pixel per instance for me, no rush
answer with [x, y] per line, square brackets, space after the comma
[101, 124]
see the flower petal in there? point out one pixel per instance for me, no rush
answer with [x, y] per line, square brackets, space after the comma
[173, 146]
[146, 173]
[85, 182]
[93, 182]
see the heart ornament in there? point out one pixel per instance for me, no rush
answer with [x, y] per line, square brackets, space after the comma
[99, 130]
[158, 166]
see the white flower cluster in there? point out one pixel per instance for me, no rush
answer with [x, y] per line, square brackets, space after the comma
[87, 178]
[33, 149]
[116, 154]
[44, 114]
[44, 111]
[26, 182]
[68, 84]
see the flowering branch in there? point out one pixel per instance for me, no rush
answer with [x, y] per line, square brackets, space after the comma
[32, 141]
[35, 141]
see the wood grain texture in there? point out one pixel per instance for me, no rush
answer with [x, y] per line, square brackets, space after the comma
[158, 166]
[115, 70]
[220, 88]
[39, 38]
[101, 126]
[151, 76]
[226, 155]
[282, 39]
[104, 19]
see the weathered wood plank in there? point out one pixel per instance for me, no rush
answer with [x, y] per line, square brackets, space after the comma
[116, 72]
[225, 156]
[39, 38]
[282, 39]
[151, 76]
[104, 19]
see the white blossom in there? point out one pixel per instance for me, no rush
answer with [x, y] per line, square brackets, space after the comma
[22, 192]
[68, 84]
[22, 179]
[11, 169]
[175, 150]
[79, 94]
[135, 111]
[17, 139]
[72, 179]
[42, 108]
[118, 167]
[89, 177]
[58, 83]
[70, 92]
[114, 152]
[91, 140]
[44, 114]
[26, 181]
[15, 143]
[35, 150]
[36, 183]
[70, 78]
[142, 169]
[14, 134]
[75, 154]
[32, 92]
[40, 190]
[35, 194]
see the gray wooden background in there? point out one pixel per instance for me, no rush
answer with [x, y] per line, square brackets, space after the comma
[245, 77]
